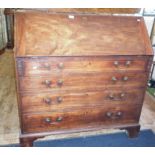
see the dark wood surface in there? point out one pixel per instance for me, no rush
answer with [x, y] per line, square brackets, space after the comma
[79, 73]
[42, 34]
[34, 102]
[78, 118]
[74, 82]
[46, 66]
[83, 10]
[97, 10]
[9, 12]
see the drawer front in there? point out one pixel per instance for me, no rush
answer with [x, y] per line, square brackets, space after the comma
[54, 102]
[56, 65]
[82, 82]
[80, 118]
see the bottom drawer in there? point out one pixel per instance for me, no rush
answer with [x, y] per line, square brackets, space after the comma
[80, 118]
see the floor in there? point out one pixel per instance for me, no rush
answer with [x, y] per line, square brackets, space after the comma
[9, 123]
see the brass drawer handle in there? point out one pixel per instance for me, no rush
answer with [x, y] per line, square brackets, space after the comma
[60, 65]
[48, 120]
[47, 66]
[47, 83]
[59, 119]
[114, 116]
[119, 114]
[125, 78]
[114, 79]
[122, 95]
[111, 96]
[109, 114]
[118, 97]
[128, 63]
[116, 63]
[59, 99]
[47, 100]
[60, 82]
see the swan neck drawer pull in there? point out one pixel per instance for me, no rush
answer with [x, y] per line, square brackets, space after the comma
[47, 100]
[114, 79]
[111, 96]
[116, 63]
[116, 97]
[59, 99]
[128, 63]
[47, 83]
[47, 66]
[122, 95]
[60, 82]
[60, 65]
[59, 119]
[114, 116]
[125, 78]
[48, 120]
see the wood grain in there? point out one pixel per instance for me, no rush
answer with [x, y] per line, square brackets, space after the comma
[86, 61]
[35, 103]
[84, 81]
[46, 66]
[96, 10]
[78, 118]
[58, 34]
[80, 10]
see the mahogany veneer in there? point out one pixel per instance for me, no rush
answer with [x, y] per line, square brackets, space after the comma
[79, 72]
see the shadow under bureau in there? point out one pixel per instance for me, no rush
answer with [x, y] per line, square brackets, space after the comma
[79, 72]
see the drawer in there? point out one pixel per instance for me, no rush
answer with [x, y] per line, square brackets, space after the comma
[82, 81]
[80, 118]
[56, 65]
[55, 102]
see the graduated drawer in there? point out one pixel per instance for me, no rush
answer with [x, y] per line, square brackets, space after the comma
[82, 81]
[56, 65]
[58, 101]
[80, 118]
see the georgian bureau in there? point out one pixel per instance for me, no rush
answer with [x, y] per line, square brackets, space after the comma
[79, 72]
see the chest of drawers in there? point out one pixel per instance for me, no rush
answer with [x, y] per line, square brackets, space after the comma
[79, 72]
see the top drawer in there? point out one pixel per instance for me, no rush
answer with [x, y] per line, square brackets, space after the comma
[56, 65]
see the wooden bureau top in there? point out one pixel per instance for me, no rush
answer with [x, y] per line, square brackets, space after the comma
[63, 34]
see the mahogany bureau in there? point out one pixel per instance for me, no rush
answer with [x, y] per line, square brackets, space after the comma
[79, 72]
